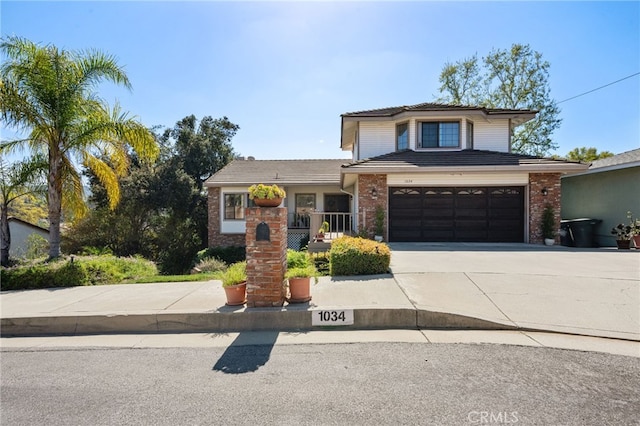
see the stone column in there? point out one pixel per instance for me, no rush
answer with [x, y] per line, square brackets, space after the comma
[266, 241]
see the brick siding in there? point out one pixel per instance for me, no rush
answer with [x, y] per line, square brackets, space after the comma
[538, 201]
[215, 237]
[367, 203]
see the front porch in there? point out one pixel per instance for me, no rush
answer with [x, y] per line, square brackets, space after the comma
[303, 229]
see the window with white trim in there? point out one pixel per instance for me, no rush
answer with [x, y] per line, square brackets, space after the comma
[439, 134]
[402, 136]
[234, 205]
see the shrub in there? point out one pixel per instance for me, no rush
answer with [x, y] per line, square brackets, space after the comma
[321, 262]
[229, 254]
[45, 275]
[79, 271]
[70, 274]
[113, 270]
[358, 256]
[211, 264]
[297, 259]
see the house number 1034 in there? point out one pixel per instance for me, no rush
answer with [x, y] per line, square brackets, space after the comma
[332, 317]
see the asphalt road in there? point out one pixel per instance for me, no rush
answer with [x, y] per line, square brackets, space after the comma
[356, 384]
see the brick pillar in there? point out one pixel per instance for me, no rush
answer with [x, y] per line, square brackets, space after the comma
[538, 201]
[367, 203]
[266, 260]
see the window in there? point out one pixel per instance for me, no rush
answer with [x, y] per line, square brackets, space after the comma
[439, 134]
[305, 204]
[402, 136]
[234, 206]
[469, 135]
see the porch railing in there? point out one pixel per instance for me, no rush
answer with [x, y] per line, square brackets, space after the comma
[339, 224]
[304, 227]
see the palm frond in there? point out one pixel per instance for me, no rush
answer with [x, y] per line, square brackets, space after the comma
[106, 176]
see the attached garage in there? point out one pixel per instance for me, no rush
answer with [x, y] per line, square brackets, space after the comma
[457, 214]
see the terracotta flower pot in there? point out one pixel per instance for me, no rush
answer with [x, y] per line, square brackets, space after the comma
[636, 241]
[623, 244]
[300, 289]
[236, 294]
[267, 202]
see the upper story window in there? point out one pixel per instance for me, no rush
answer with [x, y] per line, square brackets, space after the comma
[402, 136]
[439, 134]
[234, 205]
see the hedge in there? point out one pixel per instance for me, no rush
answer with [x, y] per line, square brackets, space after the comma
[358, 256]
[78, 271]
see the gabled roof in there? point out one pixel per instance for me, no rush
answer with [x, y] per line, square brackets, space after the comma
[621, 161]
[409, 161]
[628, 157]
[427, 110]
[25, 223]
[429, 106]
[281, 172]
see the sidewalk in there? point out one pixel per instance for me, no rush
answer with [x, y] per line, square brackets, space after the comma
[432, 286]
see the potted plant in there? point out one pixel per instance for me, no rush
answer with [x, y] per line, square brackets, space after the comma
[234, 282]
[300, 270]
[299, 280]
[379, 224]
[623, 235]
[266, 195]
[324, 228]
[548, 225]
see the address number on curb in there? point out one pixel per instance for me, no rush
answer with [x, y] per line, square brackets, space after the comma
[329, 317]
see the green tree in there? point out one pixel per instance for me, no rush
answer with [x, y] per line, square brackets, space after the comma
[163, 212]
[49, 93]
[204, 150]
[17, 180]
[587, 155]
[515, 78]
[31, 208]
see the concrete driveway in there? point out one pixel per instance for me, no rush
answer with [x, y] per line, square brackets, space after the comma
[582, 291]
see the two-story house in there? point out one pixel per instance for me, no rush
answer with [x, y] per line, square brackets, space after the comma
[440, 173]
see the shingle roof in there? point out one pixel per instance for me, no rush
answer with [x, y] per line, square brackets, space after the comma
[408, 160]
[632, 156]
[281, 172]
[428, 106]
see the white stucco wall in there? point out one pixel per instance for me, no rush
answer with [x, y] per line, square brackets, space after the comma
[19, 235]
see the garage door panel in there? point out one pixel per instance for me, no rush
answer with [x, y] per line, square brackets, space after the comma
[473, 213]
[409, 203]
[504, 213]
[492, 214]
[438, 203]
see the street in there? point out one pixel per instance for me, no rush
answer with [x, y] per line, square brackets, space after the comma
[359, 383]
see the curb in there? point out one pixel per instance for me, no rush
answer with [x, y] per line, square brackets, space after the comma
[255, 319]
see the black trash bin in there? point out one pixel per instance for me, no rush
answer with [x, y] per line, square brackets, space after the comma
[578, 232]
[566, 236]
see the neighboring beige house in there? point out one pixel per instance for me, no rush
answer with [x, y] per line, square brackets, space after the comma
[606, 191]
[20, 231]
[440, 172]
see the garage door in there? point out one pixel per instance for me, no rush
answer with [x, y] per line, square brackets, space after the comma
[471, 214]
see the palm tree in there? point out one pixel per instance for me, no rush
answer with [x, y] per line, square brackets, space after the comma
[16, 180]
[48, 93]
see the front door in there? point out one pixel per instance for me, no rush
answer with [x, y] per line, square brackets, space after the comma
[337, 203]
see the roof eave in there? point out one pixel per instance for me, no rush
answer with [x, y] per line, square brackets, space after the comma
[608, 168]
[530, 168]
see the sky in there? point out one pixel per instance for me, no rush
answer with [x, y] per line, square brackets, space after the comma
[285, 71]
